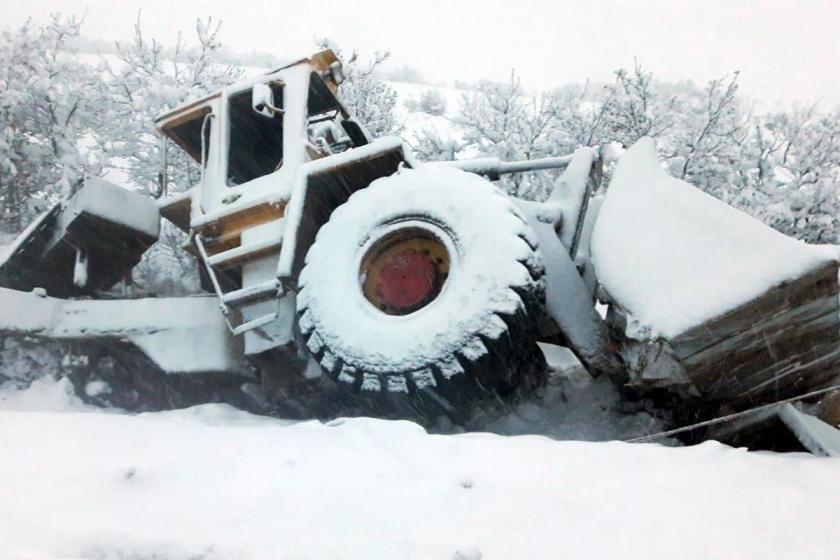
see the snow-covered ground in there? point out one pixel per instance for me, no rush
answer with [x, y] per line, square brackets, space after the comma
[212, 482]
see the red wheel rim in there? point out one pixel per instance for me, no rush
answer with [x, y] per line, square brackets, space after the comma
[404, 271]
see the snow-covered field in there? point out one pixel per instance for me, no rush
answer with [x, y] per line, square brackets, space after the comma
[212, 482]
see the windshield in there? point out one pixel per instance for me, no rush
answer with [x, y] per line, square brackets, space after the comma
[328, 130]
[255, 146]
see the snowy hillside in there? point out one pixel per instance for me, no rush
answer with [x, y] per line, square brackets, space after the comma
[214, 483]
[416, 121]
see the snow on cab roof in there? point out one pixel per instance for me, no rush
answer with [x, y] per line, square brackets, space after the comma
[321, 60]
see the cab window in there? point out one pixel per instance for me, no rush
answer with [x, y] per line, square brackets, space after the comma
[255, 146]
[328, 129]
[187, 134]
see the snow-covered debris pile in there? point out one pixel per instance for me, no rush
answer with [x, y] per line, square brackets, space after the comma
[574, 406]
[675, 257]
[45, 394]
[215, 483]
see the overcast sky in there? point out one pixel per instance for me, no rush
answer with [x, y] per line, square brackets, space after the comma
[787, 51]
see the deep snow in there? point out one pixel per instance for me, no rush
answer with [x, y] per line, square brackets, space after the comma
[212, 482]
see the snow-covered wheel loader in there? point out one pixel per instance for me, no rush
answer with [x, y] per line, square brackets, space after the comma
[342, 270]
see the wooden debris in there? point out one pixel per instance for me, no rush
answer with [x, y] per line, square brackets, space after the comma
[785, 342]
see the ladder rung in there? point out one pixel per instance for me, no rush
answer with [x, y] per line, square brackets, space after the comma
[254, 324]
[250, 293]
[231, 257]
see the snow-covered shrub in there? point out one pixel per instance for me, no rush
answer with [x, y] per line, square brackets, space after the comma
[635, 107]
[794, 173]
[579, 115]
[498, 119]
[148, 80]
[432, 103]
[428, 145]
[783, 168]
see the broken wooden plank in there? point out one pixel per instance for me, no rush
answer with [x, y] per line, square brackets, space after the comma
[781, 428]
[809, 296]
[783, 343]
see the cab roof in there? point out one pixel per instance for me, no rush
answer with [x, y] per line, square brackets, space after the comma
[319, 61]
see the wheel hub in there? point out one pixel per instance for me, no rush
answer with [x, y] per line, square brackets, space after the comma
[404, 271]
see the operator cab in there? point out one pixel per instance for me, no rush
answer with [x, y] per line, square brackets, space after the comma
[239, 137]
[255, 128]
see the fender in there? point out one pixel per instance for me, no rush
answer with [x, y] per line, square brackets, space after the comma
[322, 186]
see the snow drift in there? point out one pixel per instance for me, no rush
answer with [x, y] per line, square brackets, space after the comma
[212, 482]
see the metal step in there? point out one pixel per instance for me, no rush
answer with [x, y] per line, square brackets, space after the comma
[233, 257]
[255, 323]
[267, 289]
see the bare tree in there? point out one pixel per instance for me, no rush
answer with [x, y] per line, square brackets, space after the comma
[635, 109]
[43, 110]
[368, 97]
[147, 81]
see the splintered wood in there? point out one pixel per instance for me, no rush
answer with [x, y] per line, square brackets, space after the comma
[782, 343]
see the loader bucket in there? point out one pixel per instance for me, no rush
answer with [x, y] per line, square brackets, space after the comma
[707, 300]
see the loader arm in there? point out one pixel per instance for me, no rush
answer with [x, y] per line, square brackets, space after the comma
[559, 225]
[580, 179]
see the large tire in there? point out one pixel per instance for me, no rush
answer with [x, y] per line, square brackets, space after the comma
[474, 335]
